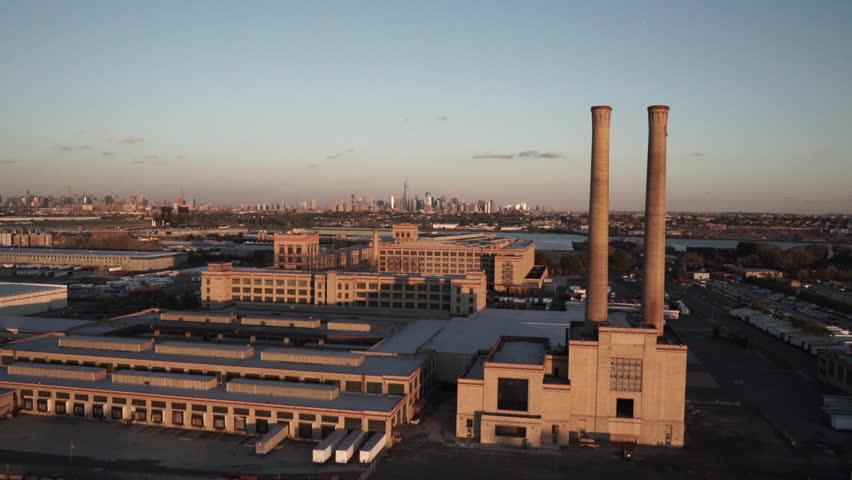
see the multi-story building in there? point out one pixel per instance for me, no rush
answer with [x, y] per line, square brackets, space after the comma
[301, 251]
[223, 284]
[101, 259]
[507, 262]
[30, 298]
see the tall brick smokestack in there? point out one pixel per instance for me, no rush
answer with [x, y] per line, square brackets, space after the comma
[654, 287]
[596, 293]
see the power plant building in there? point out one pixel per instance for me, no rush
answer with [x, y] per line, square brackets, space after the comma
[622, 378]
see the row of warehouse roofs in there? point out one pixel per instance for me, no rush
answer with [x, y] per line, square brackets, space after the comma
[207, 349]
[194, 387]
[231, 318]
[318, 391]
[206, 355]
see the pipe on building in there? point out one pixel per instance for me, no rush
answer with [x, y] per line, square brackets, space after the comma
[596, 293]
[653, 289]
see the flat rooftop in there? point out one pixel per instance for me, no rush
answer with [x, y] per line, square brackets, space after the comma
[9, 289]
[375, 365]
[72, 251]
[18, 324]
[519, 352]
[271, 271]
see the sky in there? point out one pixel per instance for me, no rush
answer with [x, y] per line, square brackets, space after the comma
[245, 102]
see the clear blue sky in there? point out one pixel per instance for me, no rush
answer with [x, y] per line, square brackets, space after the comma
[268, 101]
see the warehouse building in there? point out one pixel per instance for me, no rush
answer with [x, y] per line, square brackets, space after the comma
[126, 261]
[223, 284]
[212, 385]
[30, 298]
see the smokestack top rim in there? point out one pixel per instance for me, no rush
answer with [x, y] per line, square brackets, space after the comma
[655, 108]
[601, 107]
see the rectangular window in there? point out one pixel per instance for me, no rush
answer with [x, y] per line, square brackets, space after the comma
[309, 417]
[140, 415]
[84, 398]
[79, 409]
[178, 406]
[241, 411]
[350, 423]
[156, 404]
[219, 422]
[41, 405]
[60, 408]
[625, 375]
[325, 418]
[198, 421]
[119, 401]
[262, 413]
[375, 426]
[512, 394]
[64, 396]
[396, 389]
[220, 409]
[177, 418]
[510, 431]
[138, 403]
[624, 407]
[99, 398]
[117, 413]
[373, 387]
[97, 411]
[199, 408]
[240, 424]
[157, 416]
[285, 415]
[44, 395]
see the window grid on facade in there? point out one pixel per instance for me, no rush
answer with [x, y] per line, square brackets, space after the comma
[625, 375]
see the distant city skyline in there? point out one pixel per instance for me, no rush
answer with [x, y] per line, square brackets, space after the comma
[270, 101]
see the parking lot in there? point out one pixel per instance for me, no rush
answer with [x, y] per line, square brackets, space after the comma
[113, 447]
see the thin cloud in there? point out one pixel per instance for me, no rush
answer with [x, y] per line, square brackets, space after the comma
[132, 140]
[152, 157]
[697, 154]
[85, 147]
[494, 155]
[529, 153]
[137, 162]
[181, 157]
[550, 155]
[64, 148]
[10, 161]
[333, 156]
[443, 118]
[313, 165]
[106, 154]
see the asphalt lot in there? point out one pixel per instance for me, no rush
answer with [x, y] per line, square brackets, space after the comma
[106, 447]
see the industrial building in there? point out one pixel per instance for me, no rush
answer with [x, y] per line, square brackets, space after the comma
[115, 260]
[617, 377]
[223, 284]
[157, 369]
[508, 263]
[30, 298]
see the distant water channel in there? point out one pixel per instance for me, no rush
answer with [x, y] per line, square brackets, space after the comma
[562, 241]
